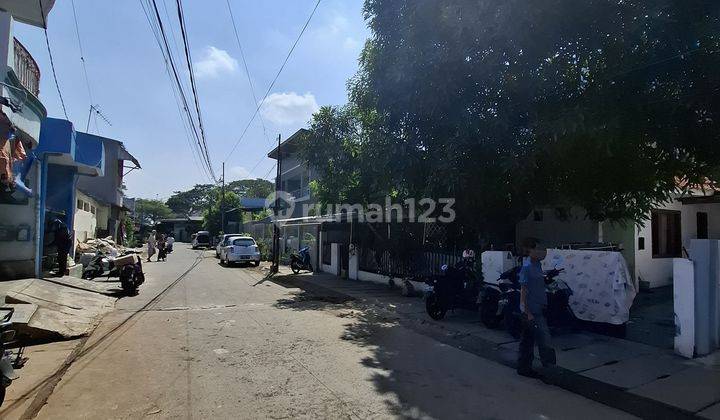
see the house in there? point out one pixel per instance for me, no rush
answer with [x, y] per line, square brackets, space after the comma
[181, 228]
[21, 114]
[63, 159]
[648, 249]
[295, 179]
[107, 189]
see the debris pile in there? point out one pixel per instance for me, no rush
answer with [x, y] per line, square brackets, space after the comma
[106, 246]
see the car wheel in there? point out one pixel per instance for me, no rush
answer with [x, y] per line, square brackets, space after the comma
[257, 263]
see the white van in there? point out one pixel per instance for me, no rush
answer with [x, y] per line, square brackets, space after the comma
[201, 240]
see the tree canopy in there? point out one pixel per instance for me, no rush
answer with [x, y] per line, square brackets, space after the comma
[506, 104]
[149, 212]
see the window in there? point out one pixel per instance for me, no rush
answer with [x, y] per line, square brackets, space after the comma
[666, 234]
[86, 206]
[244, 242]
[79, 204]
[92, 209]
[702, 225]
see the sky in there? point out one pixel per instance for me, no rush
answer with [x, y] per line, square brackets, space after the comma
[129, 83]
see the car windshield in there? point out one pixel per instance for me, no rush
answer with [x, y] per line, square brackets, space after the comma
[202, 238]
[243, 242]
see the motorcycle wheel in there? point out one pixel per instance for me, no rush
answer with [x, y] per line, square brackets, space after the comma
[434, 308]
[513, 324]
[295, 267]
[488, 314]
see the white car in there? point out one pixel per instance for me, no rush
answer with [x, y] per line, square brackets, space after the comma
[224, 240]
[201, 240]
[240, 249]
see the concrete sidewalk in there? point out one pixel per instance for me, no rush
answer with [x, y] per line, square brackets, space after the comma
[59, 308]
[638, 378]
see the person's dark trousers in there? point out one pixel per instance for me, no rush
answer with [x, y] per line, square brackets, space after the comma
[62, 262]
[535, 331]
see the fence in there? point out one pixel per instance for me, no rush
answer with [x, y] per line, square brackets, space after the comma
[420, 264]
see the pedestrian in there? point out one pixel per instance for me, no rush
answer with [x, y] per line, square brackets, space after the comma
[169, 243]
[62, 242]
[151, 241]
[533, 302]
[162, 250]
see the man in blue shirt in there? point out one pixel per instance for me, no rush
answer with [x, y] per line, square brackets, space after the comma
[533, 301]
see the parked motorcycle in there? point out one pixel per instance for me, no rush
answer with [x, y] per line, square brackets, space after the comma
[9, 361]
[501, 303]
[301, 260]
[97, 267]
[455, 287]
[132, 276]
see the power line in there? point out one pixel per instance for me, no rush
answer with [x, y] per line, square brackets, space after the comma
[188, 58]
[247, 71]
[272, 84]
[52, 62]
[177, 87]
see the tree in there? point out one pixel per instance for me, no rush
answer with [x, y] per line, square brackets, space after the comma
[253, 188]
[506, 104]
[193, 201]
[151, 211]
[212, 217]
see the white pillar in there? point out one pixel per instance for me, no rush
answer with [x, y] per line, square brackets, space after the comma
[353, 263]
[684, 306]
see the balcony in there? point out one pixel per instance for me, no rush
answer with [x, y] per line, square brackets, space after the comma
[26, 69]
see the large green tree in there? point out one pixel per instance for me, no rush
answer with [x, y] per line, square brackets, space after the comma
[505, 104]
[192, 201]
[149, 212]
[253, 188]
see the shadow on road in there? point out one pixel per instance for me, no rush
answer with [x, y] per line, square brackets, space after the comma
[408, 391]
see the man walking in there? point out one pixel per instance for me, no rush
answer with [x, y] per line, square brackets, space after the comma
[533, 302]
[62, 242]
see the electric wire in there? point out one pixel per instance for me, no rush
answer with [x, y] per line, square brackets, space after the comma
[52, 62]
[178, 92]
[272, 84]
[188, 57]
[245, 65]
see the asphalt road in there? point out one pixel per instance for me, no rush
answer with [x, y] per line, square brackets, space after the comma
[223, 342]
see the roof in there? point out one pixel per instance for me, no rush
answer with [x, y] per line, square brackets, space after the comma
[289, 146]
[31, 12]
[122, 152]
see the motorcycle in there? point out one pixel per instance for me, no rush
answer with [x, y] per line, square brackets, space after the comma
[9, 362]
[132, 276]
[301, 260]
[501, 303]
[456, 287]
[97, 267]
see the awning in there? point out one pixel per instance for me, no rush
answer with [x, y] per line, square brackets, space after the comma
[29, 12]
[125, 155]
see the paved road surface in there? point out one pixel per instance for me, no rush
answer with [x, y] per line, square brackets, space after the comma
[224, 343]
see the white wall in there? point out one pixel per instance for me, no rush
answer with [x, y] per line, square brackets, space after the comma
[659, 271]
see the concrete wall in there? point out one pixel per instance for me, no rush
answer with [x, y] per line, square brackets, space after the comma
[86, 223]
[17, 258]
[658, 271]
[105, 187]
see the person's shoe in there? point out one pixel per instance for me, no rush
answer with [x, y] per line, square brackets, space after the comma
[529, 373]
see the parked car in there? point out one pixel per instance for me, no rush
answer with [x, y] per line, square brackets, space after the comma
[241, 249]
[224, 240]
[201, 240]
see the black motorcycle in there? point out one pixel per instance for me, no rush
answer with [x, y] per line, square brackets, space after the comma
[301, 260]
[9, 361]
[456, 287]
[501, 303]
[131, 277]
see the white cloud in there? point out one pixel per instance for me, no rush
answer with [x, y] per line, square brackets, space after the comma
[239, 172]
[288, 108]
[214, 62]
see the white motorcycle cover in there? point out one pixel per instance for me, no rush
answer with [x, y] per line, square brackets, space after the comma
[602, 289]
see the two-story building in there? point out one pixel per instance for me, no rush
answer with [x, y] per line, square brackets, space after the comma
[106, 191]
[21, 114]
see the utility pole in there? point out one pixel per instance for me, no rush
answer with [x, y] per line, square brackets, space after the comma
[222, 201]
[276, 229]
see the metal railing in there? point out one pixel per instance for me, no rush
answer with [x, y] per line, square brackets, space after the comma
[26, 68]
